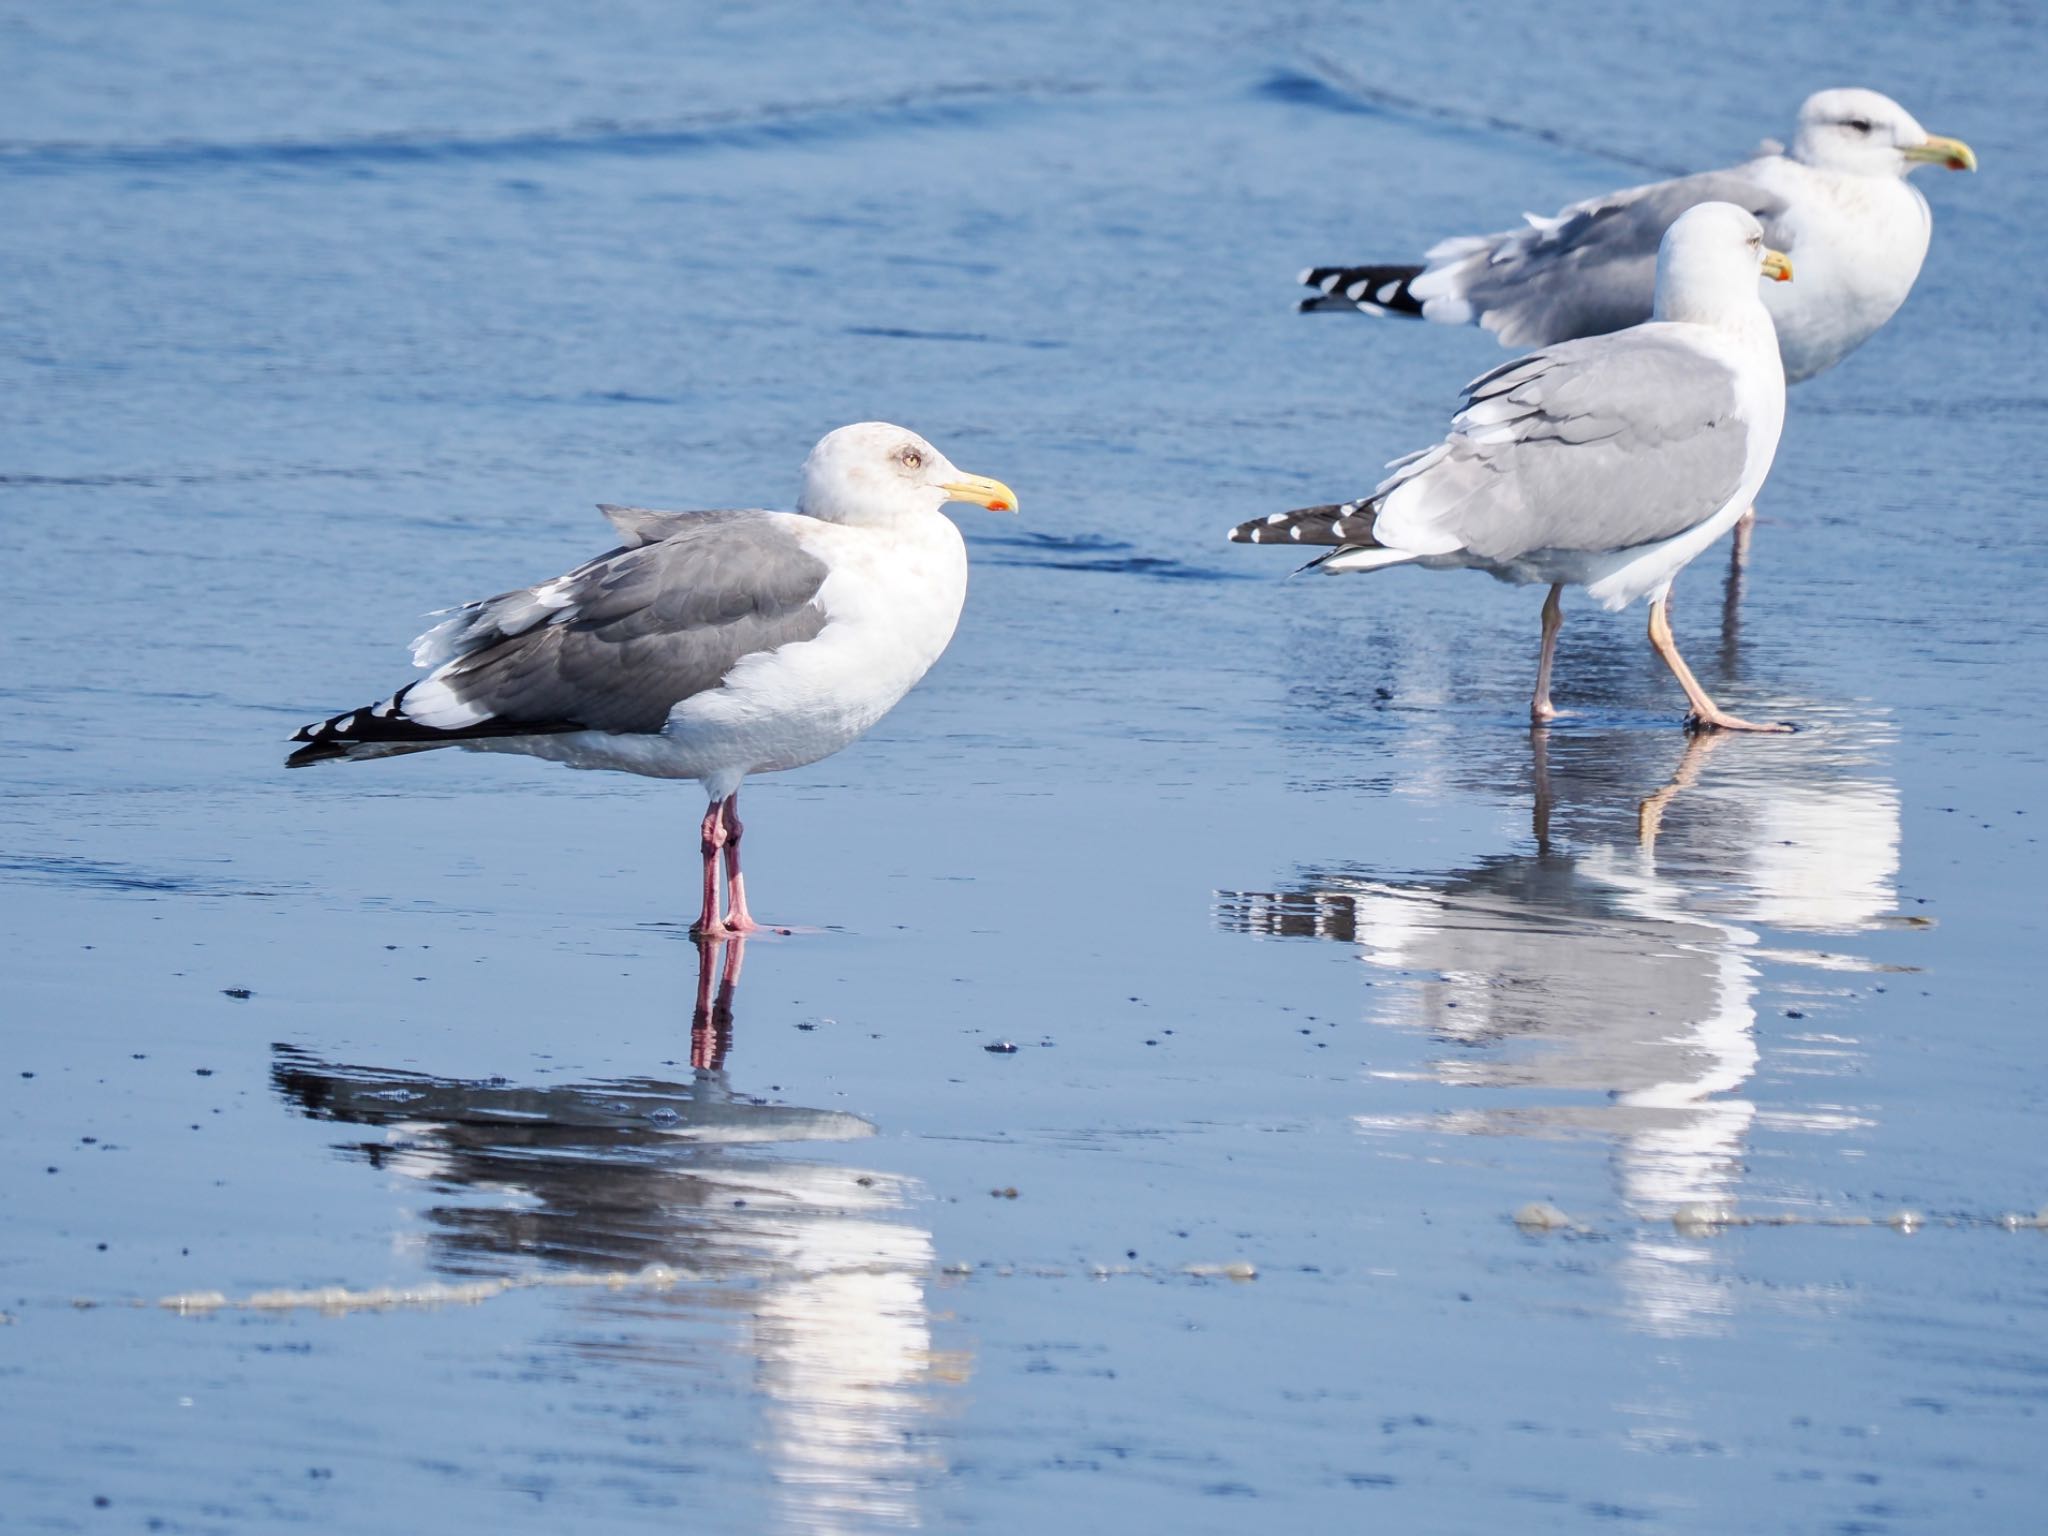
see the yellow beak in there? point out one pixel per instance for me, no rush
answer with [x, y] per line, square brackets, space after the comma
[982, 491]
[1953, 153]
[1777, 266]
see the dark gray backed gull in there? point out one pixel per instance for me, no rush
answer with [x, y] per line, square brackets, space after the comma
[708, 645]
[1607, 463]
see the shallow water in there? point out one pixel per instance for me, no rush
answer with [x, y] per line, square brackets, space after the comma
[1315, 961]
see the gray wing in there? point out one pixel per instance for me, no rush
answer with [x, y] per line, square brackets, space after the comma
[1589, 271]
[619, 642]
[1593, 445]
[639, 525]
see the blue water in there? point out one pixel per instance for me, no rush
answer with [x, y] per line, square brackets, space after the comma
[1315, 961]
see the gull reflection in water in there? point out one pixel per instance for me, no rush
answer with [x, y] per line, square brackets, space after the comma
[1601, 979]
[812, 1263]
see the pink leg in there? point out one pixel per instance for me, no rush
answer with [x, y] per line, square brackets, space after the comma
[1706, 714]
[737, 918]
[1745, 527]
[1541, 710]
[712, 839]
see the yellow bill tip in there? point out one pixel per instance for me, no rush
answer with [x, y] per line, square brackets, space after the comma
[1953, 153]
[982, 491]
[1777, 266]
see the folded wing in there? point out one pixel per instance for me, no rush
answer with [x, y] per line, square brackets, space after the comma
[1602, 444]
[1589, 271]
[613, 645]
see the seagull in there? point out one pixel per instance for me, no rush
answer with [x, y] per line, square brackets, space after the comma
[708, 645]
[1837, 203]
[1607, 462]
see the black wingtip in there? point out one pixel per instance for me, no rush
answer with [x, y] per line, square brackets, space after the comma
[315, 752]
[1371, 290]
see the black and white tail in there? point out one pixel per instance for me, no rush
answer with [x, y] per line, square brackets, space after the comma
[1377, 290]
[1345, 527]
[387, 729]
[1348, 522]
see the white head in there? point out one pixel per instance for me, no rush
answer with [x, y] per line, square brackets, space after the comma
[1864, 133]
[1709, 263]
[872, 472]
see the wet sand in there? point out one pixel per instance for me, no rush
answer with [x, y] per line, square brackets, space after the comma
[487, 1205]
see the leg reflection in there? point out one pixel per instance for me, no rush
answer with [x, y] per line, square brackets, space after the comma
[1731, 597]
[711, 1018]
[1539, 773]
[1650, 813]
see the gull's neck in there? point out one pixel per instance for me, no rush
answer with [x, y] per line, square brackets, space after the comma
[1716, 291]
[1746, 323]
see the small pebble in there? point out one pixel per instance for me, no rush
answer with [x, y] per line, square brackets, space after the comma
[1905, 1221]
[1001, 1047]
[239, 993]
[1007, 1192]
[1540, 1216]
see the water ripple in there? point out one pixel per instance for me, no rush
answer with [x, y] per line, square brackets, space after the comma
[774, 125]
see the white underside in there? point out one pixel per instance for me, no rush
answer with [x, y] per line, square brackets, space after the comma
[1614, 578]
[1857, 244]
[891, 603]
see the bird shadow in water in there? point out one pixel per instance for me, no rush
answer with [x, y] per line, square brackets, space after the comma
[1600, 979]
[809, 1276]
[615, 1172]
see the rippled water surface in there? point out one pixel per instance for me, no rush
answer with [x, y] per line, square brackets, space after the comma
[495, 1204]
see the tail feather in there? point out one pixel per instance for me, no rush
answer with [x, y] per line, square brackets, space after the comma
[1345, 526]
[386, 730]
[1373, 290]
[1348, 522]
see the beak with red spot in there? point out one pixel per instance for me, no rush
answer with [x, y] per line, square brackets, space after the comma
[982, 491]
[1777, 266]
[1953, 153]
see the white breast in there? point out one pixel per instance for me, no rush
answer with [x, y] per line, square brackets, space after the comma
[1857, 244]
[891, 603]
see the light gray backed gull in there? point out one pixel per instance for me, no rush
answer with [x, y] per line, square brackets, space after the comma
[1607, 463]
[708, 645]
[1838, 203]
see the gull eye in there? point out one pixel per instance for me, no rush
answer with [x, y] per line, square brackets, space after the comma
[909, 458]
[1859, 124]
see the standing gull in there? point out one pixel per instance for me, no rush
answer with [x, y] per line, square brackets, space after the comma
[1606, 463]
[708, 645]
[1837, 203]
